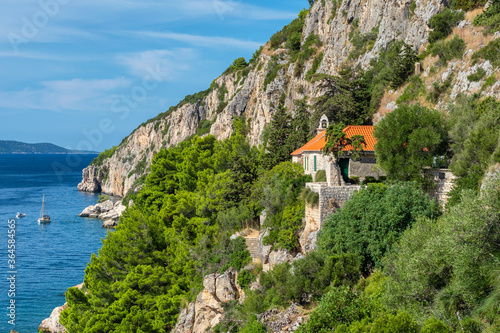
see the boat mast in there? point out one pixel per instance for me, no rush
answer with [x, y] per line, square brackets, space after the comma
[43, 204]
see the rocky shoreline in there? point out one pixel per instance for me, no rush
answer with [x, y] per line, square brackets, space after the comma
[108, 211]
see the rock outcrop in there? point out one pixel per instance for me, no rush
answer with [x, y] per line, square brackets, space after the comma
[236, 95]
[106, 210]
[52, 324]
[284, 321]
[207, 310]
[92, 177]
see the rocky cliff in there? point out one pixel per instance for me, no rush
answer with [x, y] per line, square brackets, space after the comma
[253, 93]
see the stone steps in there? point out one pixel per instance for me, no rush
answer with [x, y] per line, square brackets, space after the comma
[253, 246]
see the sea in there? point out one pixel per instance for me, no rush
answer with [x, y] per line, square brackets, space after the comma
[38, 263]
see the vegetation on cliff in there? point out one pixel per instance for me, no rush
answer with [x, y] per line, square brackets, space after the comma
[390, 260]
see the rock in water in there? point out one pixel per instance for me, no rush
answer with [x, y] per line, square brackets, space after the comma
[109, 224]
[92, 177]
[52, 324]
[106, 210]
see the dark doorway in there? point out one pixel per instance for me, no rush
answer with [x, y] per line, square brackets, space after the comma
[344, 169]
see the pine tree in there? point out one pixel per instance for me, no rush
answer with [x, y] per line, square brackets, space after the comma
[279, 145]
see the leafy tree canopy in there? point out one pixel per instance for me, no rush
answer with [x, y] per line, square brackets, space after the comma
[408, 141]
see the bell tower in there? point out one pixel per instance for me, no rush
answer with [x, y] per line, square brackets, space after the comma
[323, 124]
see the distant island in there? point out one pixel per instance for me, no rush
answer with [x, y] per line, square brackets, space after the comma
[16, 147]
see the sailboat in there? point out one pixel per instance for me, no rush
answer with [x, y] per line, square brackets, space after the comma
[43, 218]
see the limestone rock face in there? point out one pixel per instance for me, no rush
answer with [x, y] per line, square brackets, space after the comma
[52, 324]
[236, 96]
[286, 321]
[91, 179]
[207, 311]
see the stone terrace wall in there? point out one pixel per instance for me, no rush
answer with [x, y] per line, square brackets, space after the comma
[331, 198]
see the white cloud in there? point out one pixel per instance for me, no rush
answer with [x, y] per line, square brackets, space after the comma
[166, 64]
[75, 94]
[205, 41]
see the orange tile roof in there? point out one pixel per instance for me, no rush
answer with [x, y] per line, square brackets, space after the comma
[318, 143]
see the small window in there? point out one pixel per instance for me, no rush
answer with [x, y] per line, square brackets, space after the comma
[315, 166]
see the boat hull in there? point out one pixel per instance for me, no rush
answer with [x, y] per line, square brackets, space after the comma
[42, 220]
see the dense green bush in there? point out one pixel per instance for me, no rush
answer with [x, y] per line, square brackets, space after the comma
[404, 66]
[341, 305]
[439, 89]
[474, 127]
[408, 140]
[467, 4]
[439, 268]
[443, 23]
[490, 18]
[373, 219]
[477, 76]
[290, 35]
[361, 42]
[415, 88]
[490, 52]
[448, 50]
[104, 155]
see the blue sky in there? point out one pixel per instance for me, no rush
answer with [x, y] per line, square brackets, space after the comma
[84, 74]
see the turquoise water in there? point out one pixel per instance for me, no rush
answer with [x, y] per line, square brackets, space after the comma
[48, 258]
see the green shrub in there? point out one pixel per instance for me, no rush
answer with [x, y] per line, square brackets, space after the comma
[310, 197]
[320, 176]
[245, 277]
[404, 66]
[104, 155]
[253, 326]
[313, 274]
[433, 325]
[401, 323]
[491, 80]
[415, 88]
[102, 198]
[490, 18]
[339, 306]
[362, 42]
[438, 89]
[477, 76]
[373, 219]
[443, 23]
[317, 61]
[272, 71]
[204, 127]
[490, 52]
[238, 64]
[290, 35]
[448, 50]
[467, 4]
